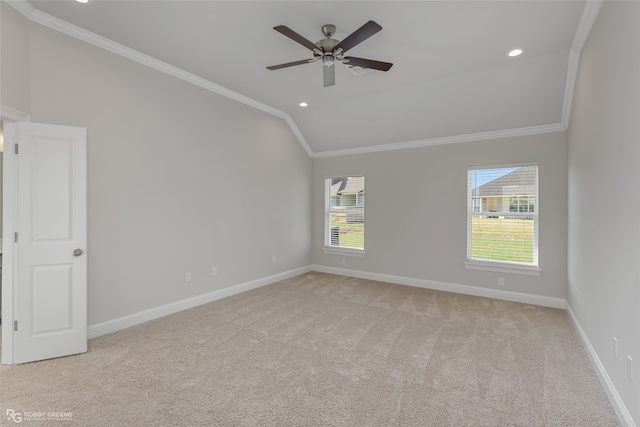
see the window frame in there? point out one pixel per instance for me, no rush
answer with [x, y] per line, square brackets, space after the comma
[328, 209]
[532, 269]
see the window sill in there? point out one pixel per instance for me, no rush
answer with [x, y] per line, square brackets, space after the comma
[502, 268]
[344, 251]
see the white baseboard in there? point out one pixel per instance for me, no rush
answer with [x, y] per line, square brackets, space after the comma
[120, 323]
[616, 401]
[144, 316]
[154, 313]
[447, 287]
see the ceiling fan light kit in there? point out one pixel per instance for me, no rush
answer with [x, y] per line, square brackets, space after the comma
[330, 50]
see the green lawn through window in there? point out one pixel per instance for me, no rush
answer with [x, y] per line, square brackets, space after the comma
[351, 235]
[502, 239]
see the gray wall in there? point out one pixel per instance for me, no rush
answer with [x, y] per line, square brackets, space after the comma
[1, 166]
[1, 192]
[604, 199]
[180, 179]
[416, 211]
[15, 88]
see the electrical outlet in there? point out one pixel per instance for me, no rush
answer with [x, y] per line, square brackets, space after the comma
[187, 277]
[214, 271]
[273, 258]
[500, 281]
[344, 261]
[615, 347]
[630, 367]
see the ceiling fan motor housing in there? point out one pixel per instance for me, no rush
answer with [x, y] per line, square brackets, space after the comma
[327, 46]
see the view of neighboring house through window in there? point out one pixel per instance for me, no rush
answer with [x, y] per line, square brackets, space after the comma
[344, 212]
[502, 218]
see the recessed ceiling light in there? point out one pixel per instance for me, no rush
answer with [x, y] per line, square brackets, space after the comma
[83, 1]
[515, 52]
[303, 104]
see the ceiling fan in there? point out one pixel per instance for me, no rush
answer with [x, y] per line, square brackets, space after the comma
[330, 51]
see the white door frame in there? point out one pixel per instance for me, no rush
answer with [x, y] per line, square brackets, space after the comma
[9, 117]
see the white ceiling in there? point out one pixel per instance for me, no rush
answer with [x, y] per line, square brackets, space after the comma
[451, 76]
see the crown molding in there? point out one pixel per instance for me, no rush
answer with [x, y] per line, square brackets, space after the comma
[65, 27]
[589, 15]
[298, 134]
[569, 87]
[23, 7]
[533, 130]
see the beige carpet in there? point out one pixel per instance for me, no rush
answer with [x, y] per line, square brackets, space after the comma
[324, 350]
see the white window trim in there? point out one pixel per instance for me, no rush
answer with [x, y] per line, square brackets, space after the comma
[502, 267]
[339, 250]
[505, 266]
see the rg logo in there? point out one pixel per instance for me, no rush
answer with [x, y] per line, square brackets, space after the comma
[16, 417]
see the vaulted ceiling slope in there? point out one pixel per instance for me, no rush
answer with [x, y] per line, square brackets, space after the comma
[451, 79]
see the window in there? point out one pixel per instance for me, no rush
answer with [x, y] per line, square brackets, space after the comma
[344, 213]
[502, 217]
[521, 204]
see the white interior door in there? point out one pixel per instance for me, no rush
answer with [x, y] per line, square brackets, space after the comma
[51, 274]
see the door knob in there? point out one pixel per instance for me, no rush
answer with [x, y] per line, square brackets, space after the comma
[77, 252]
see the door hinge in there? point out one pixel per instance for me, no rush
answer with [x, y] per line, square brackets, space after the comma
[15, 148]
[15, 326]
[15, 237]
